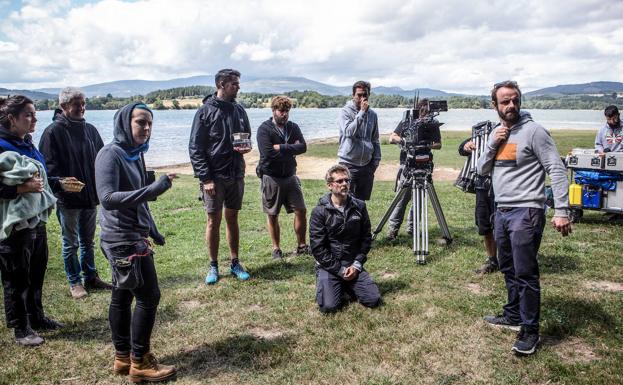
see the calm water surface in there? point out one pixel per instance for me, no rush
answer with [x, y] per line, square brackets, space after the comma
[171, 130]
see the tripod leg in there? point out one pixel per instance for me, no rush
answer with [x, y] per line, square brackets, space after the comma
[425, 215]
[390, 209]
[416, 219]
[439, 213]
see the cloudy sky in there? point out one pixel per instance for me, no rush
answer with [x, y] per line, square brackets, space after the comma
[458, 46]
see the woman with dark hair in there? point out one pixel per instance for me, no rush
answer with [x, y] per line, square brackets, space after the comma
[26, 201]
[123, 190]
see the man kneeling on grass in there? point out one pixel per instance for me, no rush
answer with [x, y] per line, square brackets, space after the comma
[340, 238]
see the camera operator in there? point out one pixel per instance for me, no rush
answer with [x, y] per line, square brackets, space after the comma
[396, 137]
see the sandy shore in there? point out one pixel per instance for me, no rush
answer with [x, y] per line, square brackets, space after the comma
[310, 167]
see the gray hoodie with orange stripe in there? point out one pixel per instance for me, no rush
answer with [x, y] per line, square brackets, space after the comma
[518, 166]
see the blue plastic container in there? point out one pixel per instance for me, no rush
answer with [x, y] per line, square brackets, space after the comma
[591, 198]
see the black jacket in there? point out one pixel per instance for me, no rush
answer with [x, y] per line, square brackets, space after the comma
[339, 239]
[211, 148]
[70, 148]
[279, 163]
[122, 189]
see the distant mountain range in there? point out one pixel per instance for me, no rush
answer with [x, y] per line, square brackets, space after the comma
[599, 88]
[268, 85]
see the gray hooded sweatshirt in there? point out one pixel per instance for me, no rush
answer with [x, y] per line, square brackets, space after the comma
[121, 189]
[518, 166]
[359, 136]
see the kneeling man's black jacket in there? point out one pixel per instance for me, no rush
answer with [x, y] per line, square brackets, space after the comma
[339, 239]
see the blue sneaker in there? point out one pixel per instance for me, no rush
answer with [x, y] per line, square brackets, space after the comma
[238, 271]
[212, 276]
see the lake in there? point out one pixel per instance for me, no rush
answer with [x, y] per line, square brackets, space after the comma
[171, 130]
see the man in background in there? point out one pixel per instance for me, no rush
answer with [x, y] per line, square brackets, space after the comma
[610, 136]
[359, 147]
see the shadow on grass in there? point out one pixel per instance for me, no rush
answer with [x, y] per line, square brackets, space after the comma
[238, 353]
[286, 269]
[558, 263]
[388, 286]
[98, 329]
[566, 317]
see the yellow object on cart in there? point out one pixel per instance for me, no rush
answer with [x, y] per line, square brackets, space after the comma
[575, 194]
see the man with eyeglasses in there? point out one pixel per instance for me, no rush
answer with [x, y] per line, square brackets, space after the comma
[359, 146]
[340, 239]
[518, 156]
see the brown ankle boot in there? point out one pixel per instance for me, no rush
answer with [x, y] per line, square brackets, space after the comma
[148, 369]
[121, 365]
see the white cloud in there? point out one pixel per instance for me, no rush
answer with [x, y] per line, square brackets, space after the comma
[451, 45]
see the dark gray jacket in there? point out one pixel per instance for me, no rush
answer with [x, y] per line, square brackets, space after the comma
[124, 214]
[211, 147]
[340, 239]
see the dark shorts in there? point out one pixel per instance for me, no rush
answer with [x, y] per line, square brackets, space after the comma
[281, 191]
[228, 192]
[484, 211]
[361, 180]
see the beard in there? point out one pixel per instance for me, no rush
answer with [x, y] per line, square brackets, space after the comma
[281, 121]
[615, 125]
[510, 116]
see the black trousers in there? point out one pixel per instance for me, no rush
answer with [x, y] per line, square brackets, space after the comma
[361, 180]
[329, 289]
[23, 262]
[132, 331]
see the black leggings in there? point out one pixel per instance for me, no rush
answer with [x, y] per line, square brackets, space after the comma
[133, 331]
[23, 262]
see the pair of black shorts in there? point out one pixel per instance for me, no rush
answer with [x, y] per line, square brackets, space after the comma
[484, 211]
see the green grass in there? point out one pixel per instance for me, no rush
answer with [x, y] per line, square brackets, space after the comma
[268, 330]
[448, 155]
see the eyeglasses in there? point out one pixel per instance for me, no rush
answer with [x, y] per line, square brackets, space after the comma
[340, 181]
[363, 95]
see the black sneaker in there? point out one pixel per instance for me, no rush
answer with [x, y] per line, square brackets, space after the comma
[502, 322]
[27, 337]
[526, 343]
[302, 250]
[46, 323]
[488, 267]
[392, 234]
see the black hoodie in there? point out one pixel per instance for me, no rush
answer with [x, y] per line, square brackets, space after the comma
[121, 187]
[211, 149]
[279, 163]
[70, 148]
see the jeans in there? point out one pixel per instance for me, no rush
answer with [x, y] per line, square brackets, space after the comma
[518, 232]
[78, 231]
[398, 214]
[23, 262]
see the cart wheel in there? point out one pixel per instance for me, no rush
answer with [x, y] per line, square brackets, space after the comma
[576, 215]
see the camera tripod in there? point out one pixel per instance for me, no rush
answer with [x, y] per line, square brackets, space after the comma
[418, 182]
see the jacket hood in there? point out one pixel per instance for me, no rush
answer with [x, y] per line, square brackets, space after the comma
[524, 117]
[60, 118]
[6, 134]
[325, 200]
[351, 106]
[219, 103]
[122, 132]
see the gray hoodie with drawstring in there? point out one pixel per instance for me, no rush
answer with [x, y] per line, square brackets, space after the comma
[359, 136]
[518, 167]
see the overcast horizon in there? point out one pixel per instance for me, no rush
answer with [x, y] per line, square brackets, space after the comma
[454, 46]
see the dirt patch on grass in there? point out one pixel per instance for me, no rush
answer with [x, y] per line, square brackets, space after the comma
[255, 307]
[475, 288]
[388, 275]
[181, 209]
[190, 305]
[614, 287]
[266, 334]
[572, 350]
[311, 167]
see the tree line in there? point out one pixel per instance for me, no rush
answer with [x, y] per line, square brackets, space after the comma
[174, 98]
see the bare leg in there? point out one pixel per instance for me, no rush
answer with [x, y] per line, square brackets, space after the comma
[272, 224]
[212, 235]
[490, 245]
[233, 234]
[300, 226]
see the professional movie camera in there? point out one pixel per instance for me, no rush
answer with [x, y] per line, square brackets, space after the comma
[419, 131]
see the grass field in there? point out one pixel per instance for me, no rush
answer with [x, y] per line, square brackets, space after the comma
[268, 330]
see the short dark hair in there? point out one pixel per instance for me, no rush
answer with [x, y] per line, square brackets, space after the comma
[225, 75]
[12, 105]
[611, 110]
[281, 103]
[505, 84]
[333, 169]
[361, 84]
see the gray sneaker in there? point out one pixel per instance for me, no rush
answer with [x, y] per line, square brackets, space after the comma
[502, 322]
[277, 254]
[27, 337]
[77, 291]
[526, 343]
